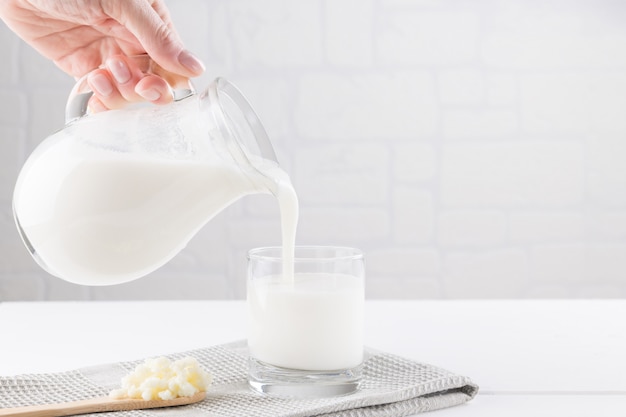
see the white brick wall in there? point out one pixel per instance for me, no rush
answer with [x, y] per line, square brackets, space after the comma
[486, 274]
[414, 162]
[538, 227]
[413, 215]
[471, 228]
[408, 36]
[513, 174]
[479, 124]
[471, 149]
[342, 174]
[366, 107]
[348, 32]
[277, 34]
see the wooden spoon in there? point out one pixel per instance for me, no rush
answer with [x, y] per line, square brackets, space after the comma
[95, 405]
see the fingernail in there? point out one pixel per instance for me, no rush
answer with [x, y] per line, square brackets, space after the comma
[101, 84]
[119, 69]
[189, 61]
[149, 94]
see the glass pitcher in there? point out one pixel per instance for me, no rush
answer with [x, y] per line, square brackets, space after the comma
[115, 195]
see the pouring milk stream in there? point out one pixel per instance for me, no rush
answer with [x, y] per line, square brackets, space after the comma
[115, 195]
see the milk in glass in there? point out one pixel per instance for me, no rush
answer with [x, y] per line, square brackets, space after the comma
[311, 321]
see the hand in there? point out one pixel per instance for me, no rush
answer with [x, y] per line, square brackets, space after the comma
[80, 36]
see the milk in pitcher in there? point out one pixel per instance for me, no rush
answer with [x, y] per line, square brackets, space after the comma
[93, 215]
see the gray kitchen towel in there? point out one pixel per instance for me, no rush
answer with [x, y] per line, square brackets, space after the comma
[392, 386]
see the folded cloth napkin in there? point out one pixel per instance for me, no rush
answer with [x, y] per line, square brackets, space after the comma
[392, 386]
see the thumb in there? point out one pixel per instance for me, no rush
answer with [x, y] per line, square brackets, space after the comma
[150, 25]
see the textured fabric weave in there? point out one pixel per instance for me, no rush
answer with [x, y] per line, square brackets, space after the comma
[392, 386]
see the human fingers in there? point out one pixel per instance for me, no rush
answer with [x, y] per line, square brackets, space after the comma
[121, 81]
[96, 106]
[105, 94]
[149, 22]
[135, 85]
[125, 75]
[154, 89]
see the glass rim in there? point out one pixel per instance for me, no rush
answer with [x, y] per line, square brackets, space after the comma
[274, 253]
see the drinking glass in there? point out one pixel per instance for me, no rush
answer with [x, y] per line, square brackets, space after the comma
[305, 320]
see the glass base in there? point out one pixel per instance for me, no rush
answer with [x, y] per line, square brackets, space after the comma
[297, 383]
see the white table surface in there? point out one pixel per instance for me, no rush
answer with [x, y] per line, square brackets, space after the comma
[530, 358]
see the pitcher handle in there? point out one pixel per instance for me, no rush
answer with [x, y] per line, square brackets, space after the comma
[78, 101]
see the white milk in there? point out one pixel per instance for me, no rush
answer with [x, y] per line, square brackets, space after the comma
[312, 323]
[95, 216]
